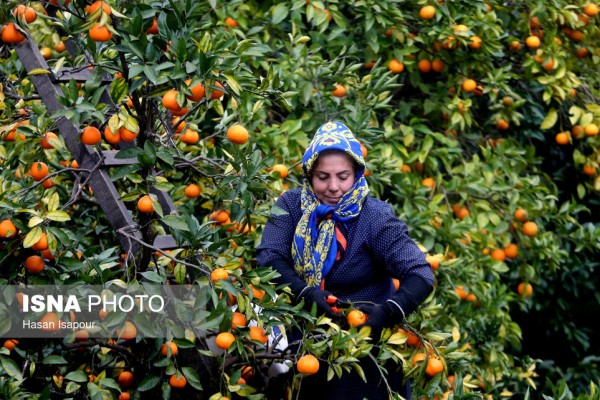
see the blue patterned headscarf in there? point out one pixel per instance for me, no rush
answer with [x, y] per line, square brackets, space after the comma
[314, 248]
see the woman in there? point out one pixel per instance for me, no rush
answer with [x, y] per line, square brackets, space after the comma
[336, 239]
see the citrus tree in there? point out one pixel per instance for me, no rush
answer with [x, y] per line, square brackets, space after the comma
[479, 123]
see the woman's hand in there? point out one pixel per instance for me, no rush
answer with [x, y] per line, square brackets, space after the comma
[319, 298]
[379, 318]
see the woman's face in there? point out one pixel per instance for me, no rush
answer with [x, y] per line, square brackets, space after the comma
[332, 176]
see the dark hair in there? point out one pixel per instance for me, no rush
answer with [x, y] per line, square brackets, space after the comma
[355, 165]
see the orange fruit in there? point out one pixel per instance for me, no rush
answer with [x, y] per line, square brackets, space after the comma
[498, 254]
[396, 66]
[521, 215]
[461, 292]
[427, 12]
[237, 134]
[281, 169]
[10, 343]
[364, 150]
[10, 34]
[581, 53]
[169, 100]
[502, 124]
[589, 169]
[8, 230]
[23, 11]
[433, 261]
[124, 396]
[238, 319]
[434, 366]
[429, 182]
[424, 66]
[153, 30]
[533, 42]
[128, 332]
[48, 183]
[100, 33]
[590, 10]
[525, 289]
[307, 364]
[96, 5]
[529, 228]
[591, 130]
[197, 91]
[247, 372]
[475, 42]
[463, 213]
[60, 47]
[103, 314]
[356, 317]
[224, 340]
[437, 65]
[259, 334]
[125, 379]
[180, 126]
[176, 382]
[339, 91]
[418, 357]
[180, 112]
[216, 94]
[469, 85]
[192, 191]
[514, 45]
[232, 23]
[126, 135]
[562, 138]
[511, 251]
[41, 244]
[145, 204]
[218, 274]
[257, 293]
[46, 52]
[111, 137]
[34, 264]
[164, 349]
[190, 137]
[91, 136]
[411, 339]
[45, 142]
[577, 131]
[50, 321]
[219, 216]
[38, 171]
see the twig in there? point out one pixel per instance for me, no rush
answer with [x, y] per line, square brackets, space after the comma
[177, 260]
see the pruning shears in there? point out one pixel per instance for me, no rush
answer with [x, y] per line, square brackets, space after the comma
[336, 303]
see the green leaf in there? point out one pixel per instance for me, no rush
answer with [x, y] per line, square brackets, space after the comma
[54, 360]
[35, 221]
[233, 84]
[72, 387]
[32, 237]
[11, 368]
[77, 376]
[54, 202]
[148, 383]
[39, 71]
[130, 152]
[192, 377]
[280, 12]
[59, 216]
[153, 276]
[176, 222]
[550, 119]
[180, 271]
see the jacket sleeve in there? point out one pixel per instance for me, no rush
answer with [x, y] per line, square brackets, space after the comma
[276, 243]
[398, 253]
